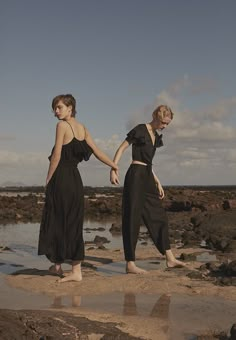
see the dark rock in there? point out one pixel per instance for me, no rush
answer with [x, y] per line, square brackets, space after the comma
[187, 257]
[196, 275]
[115, 228]
[231, 269]
[95, 229]
[197, 219]
[53, 325]
[102, 247]
[5, 248]
[98, 240]
[213, 266]
[219, 230]
[224, 281]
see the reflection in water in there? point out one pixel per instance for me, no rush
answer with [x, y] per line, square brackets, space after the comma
[158, 313]
[129, 306]
[75, 302]
[172, 317]
[161, 307]
[159, 310]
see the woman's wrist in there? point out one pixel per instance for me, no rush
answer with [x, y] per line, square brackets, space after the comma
[114, 169]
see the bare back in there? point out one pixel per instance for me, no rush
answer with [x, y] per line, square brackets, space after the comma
[73, 129]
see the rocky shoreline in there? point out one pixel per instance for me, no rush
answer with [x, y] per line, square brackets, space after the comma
[195, 216]
[200, 220]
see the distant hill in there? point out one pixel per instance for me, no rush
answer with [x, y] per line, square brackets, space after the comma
[17, 187]
[13, 184]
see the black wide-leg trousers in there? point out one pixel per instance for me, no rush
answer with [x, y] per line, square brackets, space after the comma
[141, 202]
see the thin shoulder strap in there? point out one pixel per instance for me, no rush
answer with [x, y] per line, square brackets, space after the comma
[71, 128]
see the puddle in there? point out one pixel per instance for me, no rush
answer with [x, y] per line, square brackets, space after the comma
[24, 236]
[13, 298]
[180, 316]
[206, 257]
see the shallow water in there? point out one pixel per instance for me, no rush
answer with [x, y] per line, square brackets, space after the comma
[24, 236]
[182, 315]
[179, 316]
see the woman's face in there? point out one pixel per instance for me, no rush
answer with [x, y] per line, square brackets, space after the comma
[162, 123]
[62, 111]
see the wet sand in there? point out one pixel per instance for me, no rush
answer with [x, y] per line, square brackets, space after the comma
[162, 304]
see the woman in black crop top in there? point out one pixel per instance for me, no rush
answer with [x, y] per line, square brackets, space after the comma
[142, 193]
[61, 229]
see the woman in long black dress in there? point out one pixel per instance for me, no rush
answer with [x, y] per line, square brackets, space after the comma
[61, 229]
[143, 192]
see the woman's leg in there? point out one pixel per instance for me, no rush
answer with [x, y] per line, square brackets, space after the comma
[132, 205]
[156, 220]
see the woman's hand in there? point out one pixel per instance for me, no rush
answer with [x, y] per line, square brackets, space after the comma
[114, 178]
[160, 190]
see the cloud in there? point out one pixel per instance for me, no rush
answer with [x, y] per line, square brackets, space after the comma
[9, 158]
[110, 144]
[199, 146]
[214, 131]
[224, 108]
[193, 153]
[29, 168]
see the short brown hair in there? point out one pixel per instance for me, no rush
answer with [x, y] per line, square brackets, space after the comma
[163, 111]
[67, 99]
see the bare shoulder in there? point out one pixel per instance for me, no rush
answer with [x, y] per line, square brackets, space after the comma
[61, 124]
[80, 125]
[79, 130]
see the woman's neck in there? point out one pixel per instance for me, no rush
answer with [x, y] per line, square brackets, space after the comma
[69, 119]
[152, 127]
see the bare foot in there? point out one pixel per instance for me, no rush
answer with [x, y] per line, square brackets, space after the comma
[53, 270]
[76, 301]
[131, 268]
[72, 277]
[175, 264]
[67, 273]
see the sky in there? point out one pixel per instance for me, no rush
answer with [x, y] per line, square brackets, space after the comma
[120, 59]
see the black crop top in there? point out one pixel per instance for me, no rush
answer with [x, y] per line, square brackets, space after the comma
[143, 149]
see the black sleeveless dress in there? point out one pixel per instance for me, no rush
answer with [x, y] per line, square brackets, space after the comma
[61, 229]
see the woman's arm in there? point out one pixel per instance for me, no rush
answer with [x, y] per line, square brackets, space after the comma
[114, 175]
[98, 153]
[159, 186]
[56, 155]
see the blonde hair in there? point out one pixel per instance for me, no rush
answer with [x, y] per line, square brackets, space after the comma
[162, 111]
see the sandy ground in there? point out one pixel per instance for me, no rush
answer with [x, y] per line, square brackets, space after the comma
[122, 298]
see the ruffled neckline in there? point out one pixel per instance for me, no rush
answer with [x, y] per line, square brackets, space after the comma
[76, 140]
